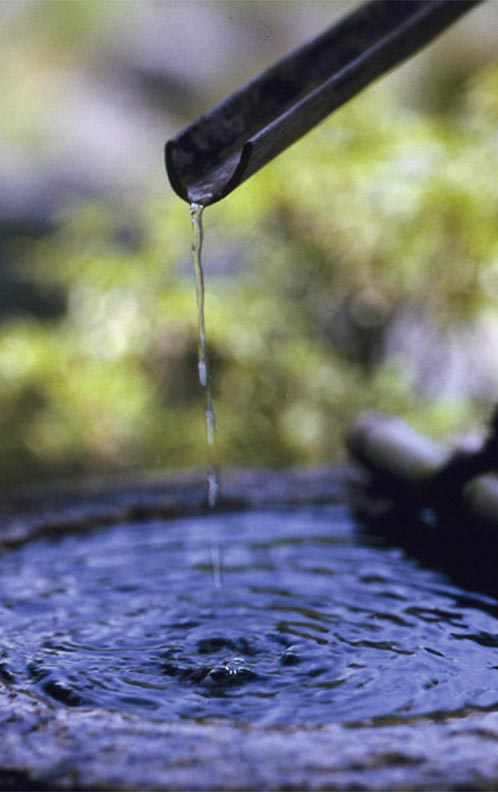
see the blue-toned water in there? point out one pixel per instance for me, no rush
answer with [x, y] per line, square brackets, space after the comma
[271, 618]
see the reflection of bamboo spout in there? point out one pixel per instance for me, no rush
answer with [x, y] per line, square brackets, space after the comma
[239, 135]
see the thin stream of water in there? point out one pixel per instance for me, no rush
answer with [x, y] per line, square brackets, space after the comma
[196, 211]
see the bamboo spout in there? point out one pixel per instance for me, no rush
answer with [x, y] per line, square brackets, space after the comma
[241, 134]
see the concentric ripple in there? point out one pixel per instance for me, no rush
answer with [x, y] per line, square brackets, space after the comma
[275, 618]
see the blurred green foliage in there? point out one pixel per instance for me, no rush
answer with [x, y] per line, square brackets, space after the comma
[307, 265]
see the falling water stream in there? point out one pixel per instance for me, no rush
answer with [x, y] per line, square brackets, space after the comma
[196, 211]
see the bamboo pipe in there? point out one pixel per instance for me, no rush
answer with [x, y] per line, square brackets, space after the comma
[391, 450]
[408, 462]
[241, 134]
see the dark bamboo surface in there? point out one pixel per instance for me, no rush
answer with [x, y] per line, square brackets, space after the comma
[241, 134]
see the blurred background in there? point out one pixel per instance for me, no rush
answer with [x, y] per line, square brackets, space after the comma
[358, 270]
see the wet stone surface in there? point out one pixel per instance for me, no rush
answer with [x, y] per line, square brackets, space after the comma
[274, 647]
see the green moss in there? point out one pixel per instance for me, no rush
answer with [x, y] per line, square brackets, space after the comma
[307, 264]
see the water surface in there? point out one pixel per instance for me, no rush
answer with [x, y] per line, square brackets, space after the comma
[271, 618]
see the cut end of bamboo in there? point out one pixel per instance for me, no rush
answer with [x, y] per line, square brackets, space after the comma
[481, 498]
[389, 448]
[401, 460]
